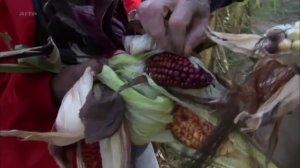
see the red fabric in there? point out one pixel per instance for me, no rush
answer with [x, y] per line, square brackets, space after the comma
[130, 5]
[25, 100]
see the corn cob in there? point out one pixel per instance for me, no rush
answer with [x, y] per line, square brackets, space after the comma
[91, 155]
[188, 128]
[171, 70]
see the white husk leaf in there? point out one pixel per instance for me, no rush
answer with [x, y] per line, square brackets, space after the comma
[115, 150]
[139, 44]
[68, 115]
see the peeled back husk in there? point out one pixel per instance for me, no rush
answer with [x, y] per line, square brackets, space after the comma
[144, 115]
[283, 101]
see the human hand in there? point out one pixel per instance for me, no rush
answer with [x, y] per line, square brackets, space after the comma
[186, 25]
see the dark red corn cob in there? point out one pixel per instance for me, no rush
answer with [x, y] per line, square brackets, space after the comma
[91, 155]
[171, 70]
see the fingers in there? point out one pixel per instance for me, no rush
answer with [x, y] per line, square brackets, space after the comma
[178, 23]
[186, 25]
[196, 35]
[151, 16]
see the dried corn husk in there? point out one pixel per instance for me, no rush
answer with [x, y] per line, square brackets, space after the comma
[238, 43]
[282, 102]
[54, 138]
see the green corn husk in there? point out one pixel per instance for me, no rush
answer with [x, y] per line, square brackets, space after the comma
[148, 115]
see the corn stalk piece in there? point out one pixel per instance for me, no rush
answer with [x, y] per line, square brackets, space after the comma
[32, 60]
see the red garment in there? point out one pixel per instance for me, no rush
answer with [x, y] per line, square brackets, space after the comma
[25, 100]
[130, 5]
